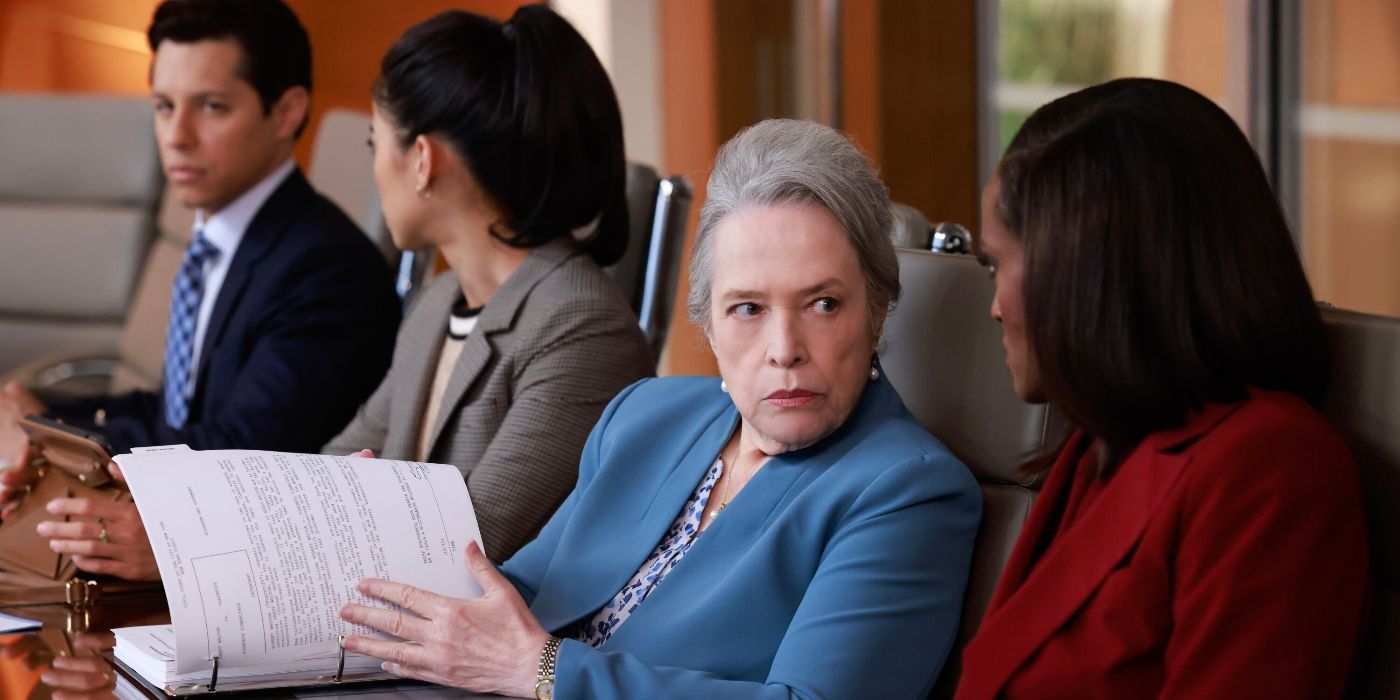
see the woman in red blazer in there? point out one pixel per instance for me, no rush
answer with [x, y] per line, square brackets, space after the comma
[1200, 533]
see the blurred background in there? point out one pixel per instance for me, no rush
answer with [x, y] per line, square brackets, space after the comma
[932, 89]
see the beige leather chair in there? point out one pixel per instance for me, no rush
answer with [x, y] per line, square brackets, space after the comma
[342, 169]
[79, 181]
[138, 359]
[942, 351]
[1364, 401]
[658, 211]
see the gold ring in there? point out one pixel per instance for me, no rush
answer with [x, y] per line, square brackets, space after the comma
[102, 536]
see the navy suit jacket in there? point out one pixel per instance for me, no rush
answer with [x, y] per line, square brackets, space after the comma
[837, 572]
[301, 333]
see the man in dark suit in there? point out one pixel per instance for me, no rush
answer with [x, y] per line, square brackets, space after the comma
[283, 315]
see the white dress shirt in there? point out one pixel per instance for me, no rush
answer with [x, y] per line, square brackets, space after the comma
[225, 229]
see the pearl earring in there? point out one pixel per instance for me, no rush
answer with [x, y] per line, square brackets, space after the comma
[723, 386]
[874, 373]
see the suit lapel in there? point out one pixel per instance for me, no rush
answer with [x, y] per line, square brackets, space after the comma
[499, 315]
[638, 530]
[572, 597]
[262, 235]
[419, 366]
[1034, 598]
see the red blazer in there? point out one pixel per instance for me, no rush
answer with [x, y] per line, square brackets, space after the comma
[1223, 559]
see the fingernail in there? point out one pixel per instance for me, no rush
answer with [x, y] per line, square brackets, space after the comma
[53, 544]
[44, 528]
[51, 506]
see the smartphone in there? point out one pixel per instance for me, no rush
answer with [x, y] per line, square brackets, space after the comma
[82, 453]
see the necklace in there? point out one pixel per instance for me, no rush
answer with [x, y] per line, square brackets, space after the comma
[724, 498]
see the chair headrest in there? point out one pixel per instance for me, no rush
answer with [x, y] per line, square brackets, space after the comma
[1364, 402]
[343, 170]
[80, 149]
[942, 351]
[910, 229]
[630, 269]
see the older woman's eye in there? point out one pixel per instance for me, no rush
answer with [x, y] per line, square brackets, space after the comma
[826, 305]
[745, 309]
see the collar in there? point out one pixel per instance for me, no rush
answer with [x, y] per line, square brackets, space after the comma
[1196, 424]
[499, 313]
[225, 227]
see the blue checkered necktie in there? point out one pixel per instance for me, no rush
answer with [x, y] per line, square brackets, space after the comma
[179, 337]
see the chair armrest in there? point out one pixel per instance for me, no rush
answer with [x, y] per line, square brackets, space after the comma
[83, 373]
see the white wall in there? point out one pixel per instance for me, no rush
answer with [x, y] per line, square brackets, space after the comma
[626, 36]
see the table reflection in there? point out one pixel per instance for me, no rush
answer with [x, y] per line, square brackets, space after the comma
[66, 659]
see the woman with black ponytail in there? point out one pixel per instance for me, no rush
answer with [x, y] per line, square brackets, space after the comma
[500, 145]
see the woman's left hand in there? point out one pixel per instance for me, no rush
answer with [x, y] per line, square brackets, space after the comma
[488, 645]
[115, 544]
[85, 675]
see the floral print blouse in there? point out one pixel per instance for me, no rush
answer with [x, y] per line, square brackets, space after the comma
[673, 547]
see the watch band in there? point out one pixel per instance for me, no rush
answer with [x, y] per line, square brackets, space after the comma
[544, 679]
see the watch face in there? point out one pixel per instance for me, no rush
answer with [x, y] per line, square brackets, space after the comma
[544, 689]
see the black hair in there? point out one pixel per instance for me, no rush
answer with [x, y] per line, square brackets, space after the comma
[276, 50]
[1159, 270]
[531, 112]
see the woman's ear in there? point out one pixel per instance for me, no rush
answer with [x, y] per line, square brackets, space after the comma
[425, 163]
[877, 328]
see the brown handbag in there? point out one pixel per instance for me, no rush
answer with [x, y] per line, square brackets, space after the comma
[71, 464]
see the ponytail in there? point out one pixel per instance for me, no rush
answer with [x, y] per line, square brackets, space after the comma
[529, 109]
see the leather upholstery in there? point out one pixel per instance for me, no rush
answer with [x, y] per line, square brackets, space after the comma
[630, 270]
[342, 169]
[942, 351]
[77, 198]
[658, 212]
[1364, 401]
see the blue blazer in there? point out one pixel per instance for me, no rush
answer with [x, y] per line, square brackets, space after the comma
[300, 334]
[837, 572]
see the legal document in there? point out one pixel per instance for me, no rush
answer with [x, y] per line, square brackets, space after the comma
[259, 550]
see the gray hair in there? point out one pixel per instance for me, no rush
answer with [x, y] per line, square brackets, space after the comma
[787, 161]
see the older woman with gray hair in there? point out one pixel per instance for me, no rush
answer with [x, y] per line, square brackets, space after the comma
[786, 531]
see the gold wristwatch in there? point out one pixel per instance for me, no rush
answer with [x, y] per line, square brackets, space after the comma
[544, 680]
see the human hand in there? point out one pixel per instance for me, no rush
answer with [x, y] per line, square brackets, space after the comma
[28, 648]
[488, 645]
[116, 544]
[84, 675]
[15, 403]
[362, 453]
[15, 482]
[79, 678]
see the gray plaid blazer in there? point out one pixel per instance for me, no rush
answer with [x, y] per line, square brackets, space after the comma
[551, 348]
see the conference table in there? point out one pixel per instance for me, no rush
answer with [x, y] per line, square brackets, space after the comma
[84, 638]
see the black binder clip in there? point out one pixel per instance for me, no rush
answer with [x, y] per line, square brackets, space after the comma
[196, 689]
[213, 674]
[339, 668]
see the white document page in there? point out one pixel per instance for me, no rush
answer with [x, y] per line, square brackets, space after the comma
[259, 550]
[10, 623]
